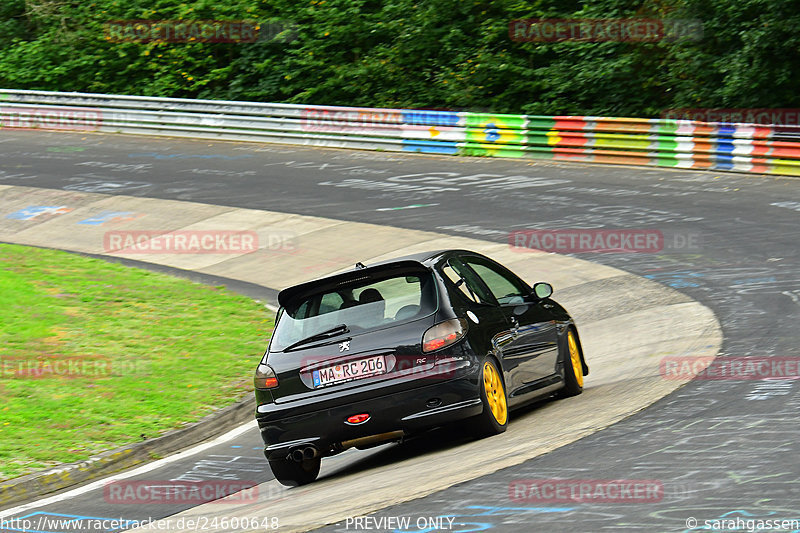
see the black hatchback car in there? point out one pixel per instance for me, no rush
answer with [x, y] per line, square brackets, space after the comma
[380, 352]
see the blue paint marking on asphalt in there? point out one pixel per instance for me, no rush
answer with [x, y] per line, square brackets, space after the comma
[106, 216]
[33, 211]
[679, 279]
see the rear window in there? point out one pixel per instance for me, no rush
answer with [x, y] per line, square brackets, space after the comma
[362, 305]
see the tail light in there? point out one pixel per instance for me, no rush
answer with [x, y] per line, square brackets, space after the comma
[265, 377]
[444, 334]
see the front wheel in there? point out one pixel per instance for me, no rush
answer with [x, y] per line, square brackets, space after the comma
[573, 368]
[294, 474]
[494, 418]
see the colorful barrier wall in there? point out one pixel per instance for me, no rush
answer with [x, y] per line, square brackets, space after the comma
[628, 141]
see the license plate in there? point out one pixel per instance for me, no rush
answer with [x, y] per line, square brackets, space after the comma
[360, 368]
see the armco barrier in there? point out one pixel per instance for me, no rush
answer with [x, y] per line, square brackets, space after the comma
[632, 141]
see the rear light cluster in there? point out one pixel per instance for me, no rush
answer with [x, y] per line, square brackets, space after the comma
[265, 377]
[444, 334]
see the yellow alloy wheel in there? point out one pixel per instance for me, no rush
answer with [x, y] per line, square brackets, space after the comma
[575, 357]
[495, 395]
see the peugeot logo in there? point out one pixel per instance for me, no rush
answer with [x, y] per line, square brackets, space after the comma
[344, 346]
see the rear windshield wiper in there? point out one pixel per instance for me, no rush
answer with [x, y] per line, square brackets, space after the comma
[336, 330]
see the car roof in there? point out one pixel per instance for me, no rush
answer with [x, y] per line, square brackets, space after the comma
[425, 258]
[429, 258]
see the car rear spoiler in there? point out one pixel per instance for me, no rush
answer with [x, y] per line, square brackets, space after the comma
[383, 270]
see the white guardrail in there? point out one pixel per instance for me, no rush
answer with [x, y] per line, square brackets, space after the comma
[340, 127]
[654, 142]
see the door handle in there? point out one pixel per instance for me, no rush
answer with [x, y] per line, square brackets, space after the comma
[515, 325]
[548, 306]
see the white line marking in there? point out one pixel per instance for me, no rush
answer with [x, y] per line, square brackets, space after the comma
[130, 473]
[413, 206]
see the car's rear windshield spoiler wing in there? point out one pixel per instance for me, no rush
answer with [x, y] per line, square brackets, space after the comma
[383, 270]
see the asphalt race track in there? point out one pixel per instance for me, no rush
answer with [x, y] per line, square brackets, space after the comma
[292, 248]
[722, 449]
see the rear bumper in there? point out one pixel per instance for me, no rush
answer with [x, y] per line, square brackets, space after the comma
[282, 429]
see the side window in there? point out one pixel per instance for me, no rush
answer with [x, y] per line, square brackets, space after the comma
[465, 281]
[505, 287]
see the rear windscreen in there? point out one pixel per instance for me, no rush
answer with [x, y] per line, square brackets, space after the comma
[361, 305]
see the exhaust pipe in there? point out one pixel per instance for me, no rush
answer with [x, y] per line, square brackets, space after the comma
[298, 455]
[309, 452]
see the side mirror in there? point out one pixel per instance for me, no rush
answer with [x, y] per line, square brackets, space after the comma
[542, 290]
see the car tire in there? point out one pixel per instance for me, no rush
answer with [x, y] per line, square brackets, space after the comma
[494, 418]
[294, 474]
[573, 367]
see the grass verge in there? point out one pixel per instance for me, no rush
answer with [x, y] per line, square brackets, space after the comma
[95, 355]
